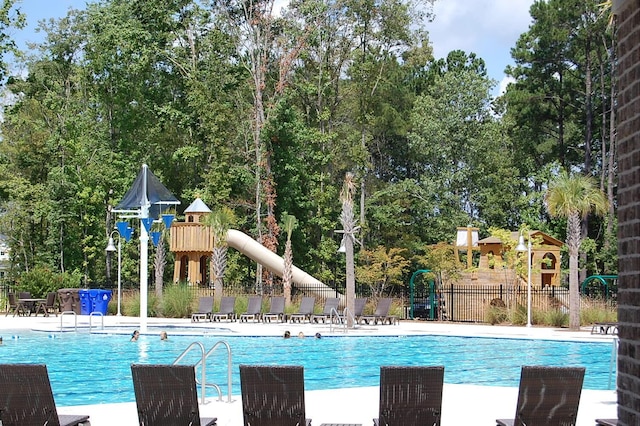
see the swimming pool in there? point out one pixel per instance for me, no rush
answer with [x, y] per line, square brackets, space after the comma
[95, 368]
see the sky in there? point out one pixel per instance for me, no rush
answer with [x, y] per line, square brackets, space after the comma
[488, 28]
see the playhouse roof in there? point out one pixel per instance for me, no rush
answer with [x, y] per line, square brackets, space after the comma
[546, 239]
[198, 206]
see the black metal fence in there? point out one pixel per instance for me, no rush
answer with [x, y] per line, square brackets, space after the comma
[459, 303]
[470, 303]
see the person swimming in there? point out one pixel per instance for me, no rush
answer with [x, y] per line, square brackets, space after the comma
[287, 334]
[163, 335]
[135, 335]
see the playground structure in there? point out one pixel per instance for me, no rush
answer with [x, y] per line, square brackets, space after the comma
[192, 243]
[600, 286]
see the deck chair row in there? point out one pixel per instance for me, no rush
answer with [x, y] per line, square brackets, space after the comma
[166, 395]
[205, 309]
[411, 396]
[330, 311]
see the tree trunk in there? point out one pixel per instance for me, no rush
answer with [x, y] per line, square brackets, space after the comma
[159, 263]
[573, 244]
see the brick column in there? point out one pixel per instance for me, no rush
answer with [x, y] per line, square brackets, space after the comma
[628, 21]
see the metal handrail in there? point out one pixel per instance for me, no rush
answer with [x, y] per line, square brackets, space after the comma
[75, 318]
[614, 360]
[91, 315]
[338, 318]
[202, 363]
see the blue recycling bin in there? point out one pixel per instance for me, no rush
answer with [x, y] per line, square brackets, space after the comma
[85, 301]
[100, 300]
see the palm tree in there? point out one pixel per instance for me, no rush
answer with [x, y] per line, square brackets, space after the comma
[289, 223]
[573, 197]
[219, 221]
[347, 218]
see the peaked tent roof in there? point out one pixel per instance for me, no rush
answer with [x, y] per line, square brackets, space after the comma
[147, 188]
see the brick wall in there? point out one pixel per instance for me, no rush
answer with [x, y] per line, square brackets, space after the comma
[628, 19]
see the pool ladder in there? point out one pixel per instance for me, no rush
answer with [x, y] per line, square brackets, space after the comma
[75, 320]
[613, 361]
[342, 320]
[203, 363]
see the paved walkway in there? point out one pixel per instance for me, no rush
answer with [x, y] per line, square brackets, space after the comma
[462, 404]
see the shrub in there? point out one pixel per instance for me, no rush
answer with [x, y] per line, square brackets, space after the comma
[177, 301]
[518, 316]
[593, 311]
[496, 315]
[556, 318]
[41, 280]
[131, 304]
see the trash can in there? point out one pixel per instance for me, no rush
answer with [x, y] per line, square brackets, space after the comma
[85, 301]
[69, 300]
[100, 300]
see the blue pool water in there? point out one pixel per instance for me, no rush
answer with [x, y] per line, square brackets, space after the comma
[95, 368]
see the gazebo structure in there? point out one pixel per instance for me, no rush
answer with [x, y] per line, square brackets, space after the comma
[545, 257]
[192, 243]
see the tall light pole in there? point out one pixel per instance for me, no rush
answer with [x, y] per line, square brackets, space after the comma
[522, 248]
[110, 249]
[123, 231]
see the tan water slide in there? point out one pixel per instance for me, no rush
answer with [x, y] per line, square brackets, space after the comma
[270, 260]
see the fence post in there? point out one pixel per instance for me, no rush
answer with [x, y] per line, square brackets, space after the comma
[451, 303]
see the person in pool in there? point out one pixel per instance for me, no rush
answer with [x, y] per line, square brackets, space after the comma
[135, 335]
[287, 334]
[163, 335]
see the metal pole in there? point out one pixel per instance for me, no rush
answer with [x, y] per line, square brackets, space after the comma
[144, 256]
[529, 282]
[119, 273]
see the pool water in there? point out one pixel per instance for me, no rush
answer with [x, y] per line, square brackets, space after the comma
[95, 368]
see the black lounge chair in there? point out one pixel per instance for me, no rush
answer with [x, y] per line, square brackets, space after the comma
[254, 307]
[226, 311]
[26, 398]
[273, 395]
[166, 395]
[276, 310]
[330, 308]
[306, 310]
[381, 314]
[410, 396]
[547, 396]
[205, 309]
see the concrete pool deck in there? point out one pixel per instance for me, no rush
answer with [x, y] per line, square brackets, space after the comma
[462, 404]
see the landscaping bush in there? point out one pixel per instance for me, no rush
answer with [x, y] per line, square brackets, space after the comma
[556, 318]
[131, 304]
[41, 280]
[496, 315]
[177, 301]
[518, 316]
[596, 310]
